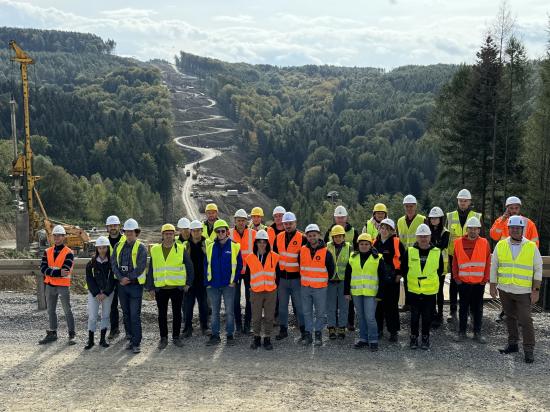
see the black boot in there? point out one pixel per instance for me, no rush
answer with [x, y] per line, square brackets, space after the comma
[256, 342]
[283, 333]
[425, 342]
[90, 340]
[72, 335]
[246, 329]
[414, 342]
[510, 348]
[318, 338]
[51, 336]
[102, 341]
[302, 333]
[529, 357]
[114, 333]
[307, 339]
[267, 344]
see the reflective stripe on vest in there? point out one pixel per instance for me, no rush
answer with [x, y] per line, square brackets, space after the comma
[57, 263]
[169, 272]
[407, 234]
[235, 248]
[135, 249]
[457, 231]
[289, 257]
[246, 241]
[313, 271]
[341, 260]
[518, 272]
[471, 269]
[423, 281]
[262, 278]
[364, 280]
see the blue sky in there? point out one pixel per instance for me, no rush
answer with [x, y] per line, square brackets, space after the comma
[380, 33]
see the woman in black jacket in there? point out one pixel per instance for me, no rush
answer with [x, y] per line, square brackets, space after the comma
[100, 282]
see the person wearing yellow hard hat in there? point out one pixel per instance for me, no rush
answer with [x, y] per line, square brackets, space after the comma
[169, 277]
[379, 213]
[256, 217]
[211, 211]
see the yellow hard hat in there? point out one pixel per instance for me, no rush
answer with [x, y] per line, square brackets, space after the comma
[364, 237]
[380, 207]
[257, 211]
[219, 224]
[211, 206]
[337, 230]
[167, 226]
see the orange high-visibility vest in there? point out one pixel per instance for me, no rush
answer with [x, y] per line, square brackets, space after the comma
[271, 235]
[313, 271]
[246, 241]
[396, 252]
[471, 270]
[57, 263]
[262, 277]
[289, 255]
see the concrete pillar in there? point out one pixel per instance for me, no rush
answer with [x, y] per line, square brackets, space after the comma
[22, 230]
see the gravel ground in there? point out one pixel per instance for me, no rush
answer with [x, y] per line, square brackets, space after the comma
[450, 376]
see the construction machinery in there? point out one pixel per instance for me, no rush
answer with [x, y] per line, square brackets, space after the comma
[24, 180]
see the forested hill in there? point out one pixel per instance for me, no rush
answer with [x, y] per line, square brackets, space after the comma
[102, 127]
[315, 129]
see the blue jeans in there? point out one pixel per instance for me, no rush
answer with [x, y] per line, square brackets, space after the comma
[130, 297]
[286, 289]
[365, 306]
[93, 308]
[337, 305]
[314, 306]
[215, 295]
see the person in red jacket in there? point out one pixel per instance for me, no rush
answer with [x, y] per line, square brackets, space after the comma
[499, 230]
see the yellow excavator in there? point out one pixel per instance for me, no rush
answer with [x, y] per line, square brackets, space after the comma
[77, 238]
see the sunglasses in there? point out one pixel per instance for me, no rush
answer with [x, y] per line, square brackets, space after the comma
[221, 231]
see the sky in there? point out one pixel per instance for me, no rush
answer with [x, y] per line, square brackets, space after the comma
[375, 33]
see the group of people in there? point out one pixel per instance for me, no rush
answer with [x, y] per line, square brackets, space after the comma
[330, 280]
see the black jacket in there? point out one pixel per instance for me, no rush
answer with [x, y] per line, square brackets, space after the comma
[388, 252]
[197, 251]
[100, 277]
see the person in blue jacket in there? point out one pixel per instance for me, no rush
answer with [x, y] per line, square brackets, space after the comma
[222, 266]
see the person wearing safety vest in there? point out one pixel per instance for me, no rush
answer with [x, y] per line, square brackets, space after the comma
[406, 231]
[169, 276]
[388, 245]
[499, 230]
[316, 269]
[101, 284]
[277, 226]
[112, 224]
[364, 273]
[288, 246]
[184, 230]
[57, 266]
[471, 271]
[337, 304]
[245, 237]
[440, 239]
[422, 265]
[222, 265]
[516, 275]
[379, 213]
[129, 262]
[456, 224]
[256, 216]
[211, 212]
[263, 268]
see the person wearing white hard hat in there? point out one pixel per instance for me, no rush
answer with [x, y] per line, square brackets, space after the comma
[440, 238]
[391, 249]
[288, 245]
[316, 269]
[406, 231]
[184, 230]
[516, 275]
[277, 226]
[456, 224]
[57, 266]
[471, 271]
[101, 285]
[499, 230]
[422, 265]
[341, 218]
[129, 261]
[112, 224]
[244, 236]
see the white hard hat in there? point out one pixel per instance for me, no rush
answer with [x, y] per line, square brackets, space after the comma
[241, 213]
[389, 222]
[409, 199]
[436, 212]
[473, 222]
[423, 230]
[516, 221]
[513, 200]
[130, 224]
[289, 217]
[340, 211]
[195, 224]
[464, 194]
[279, 209]
[102, 241]
[58, 230]
[312, 228]
[184, 223]
[112, 220]
[262, 235]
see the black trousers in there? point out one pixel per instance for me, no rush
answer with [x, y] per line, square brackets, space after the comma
[114, 315]
[453, 290]
[421, 307]
[198, 294]
[162, 296]
[388, 308]
[351, 314]
[471, 299]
